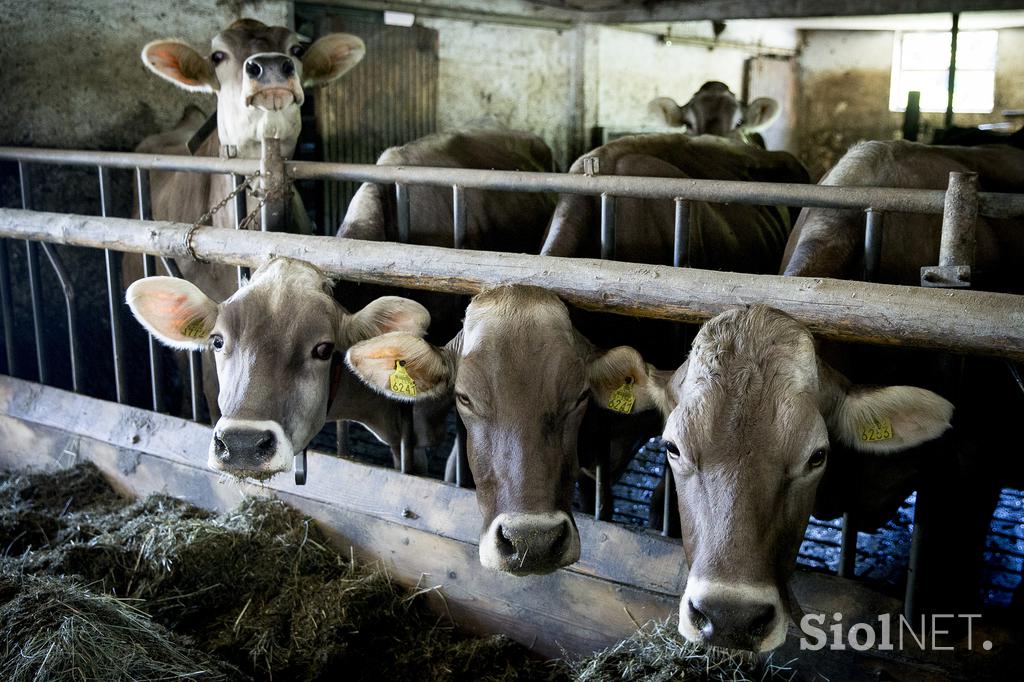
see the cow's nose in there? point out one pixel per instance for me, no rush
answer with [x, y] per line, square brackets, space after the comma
[530, 543]
[244, 448]
[732, 623]
[269, 67]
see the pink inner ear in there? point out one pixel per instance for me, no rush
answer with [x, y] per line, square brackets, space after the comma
[165, 59]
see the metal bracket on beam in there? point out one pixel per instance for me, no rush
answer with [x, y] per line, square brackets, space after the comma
[959, 235]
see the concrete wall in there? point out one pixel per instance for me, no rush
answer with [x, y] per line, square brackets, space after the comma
[844, 92]
[72, 78]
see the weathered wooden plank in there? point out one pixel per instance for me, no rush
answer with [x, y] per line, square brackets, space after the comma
[965, 321]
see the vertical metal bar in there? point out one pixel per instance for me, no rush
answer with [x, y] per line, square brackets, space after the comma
[68, 291]
[459, 217]
[341, 430]
[407, 447]
[34, 286]
[607, 227]
[951, 83]
[599, 485]
[273, 182]
[148, 270]
[114, 294]
[848, 549]
[7, 309]
[402, 208]
[959, 221]
[666, 509]
[681, 240]
[873, 244]
[461, 454]
[913, 566]
[241, 210]
[195, 382]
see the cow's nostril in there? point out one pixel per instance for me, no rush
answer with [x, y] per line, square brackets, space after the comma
[287, 67]
[699, 620]
[504, 542]
[266, 440]
[219, 448]
[253, 69]
[762, 620]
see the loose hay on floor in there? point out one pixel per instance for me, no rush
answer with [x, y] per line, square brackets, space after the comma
[657, 653]
[56, 630]
[258, 587]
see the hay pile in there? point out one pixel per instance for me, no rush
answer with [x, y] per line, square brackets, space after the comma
[657, 653]
[257, 587]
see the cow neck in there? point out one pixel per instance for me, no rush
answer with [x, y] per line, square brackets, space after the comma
[196, 141]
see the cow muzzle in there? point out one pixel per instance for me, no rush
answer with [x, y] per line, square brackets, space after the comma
[528, 544]
[251, 448]
[735, 616]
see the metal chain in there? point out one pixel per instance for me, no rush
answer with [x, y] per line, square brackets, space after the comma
[278, 189]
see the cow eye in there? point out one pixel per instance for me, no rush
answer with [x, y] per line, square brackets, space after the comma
[217, 341]
[323, 351]
[217, 57]
[817, 458]
[297, 50]
[671, 448]
[463, 399]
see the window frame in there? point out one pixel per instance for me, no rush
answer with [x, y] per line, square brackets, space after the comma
[897, 73]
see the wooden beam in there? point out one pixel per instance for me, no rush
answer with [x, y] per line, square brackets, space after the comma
[689, 10]
[574, 611]
[962, 321]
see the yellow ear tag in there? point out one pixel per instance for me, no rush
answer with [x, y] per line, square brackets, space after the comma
[622, 398]
[400, 381]
[194, 328]
[876, 430]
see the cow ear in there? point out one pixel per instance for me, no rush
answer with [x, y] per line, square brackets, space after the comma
[885, 420]
[388, 314]
[665, 111]
[330, 57]
[621, 381]
[177, 62]
[173, 310]
[401, 366]
[760, 114]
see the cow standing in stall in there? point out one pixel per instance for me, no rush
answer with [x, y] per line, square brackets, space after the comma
[734, 237]
[278, 344]
[715, 110]
[257, 73]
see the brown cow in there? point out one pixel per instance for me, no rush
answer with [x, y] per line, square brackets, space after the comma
[753, 416]
[278, 344]
[258, 73]
[715, 110]
[522, 378]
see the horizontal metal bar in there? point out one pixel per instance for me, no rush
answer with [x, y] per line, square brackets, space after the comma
[961, 321]
[899, 200]
[174, 162]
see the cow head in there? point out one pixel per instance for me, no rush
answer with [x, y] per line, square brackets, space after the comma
[276, 341]
[257, 72]
[521, 377]
[714, 110]
[754, 414]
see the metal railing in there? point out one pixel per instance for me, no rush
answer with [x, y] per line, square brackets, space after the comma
[165, 240]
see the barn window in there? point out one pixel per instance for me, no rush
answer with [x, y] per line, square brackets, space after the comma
[921, 62]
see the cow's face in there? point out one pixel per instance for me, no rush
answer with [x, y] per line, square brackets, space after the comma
[715, 110]
[521, 377]
[258, 73]
[754, 413]
[278, 343]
